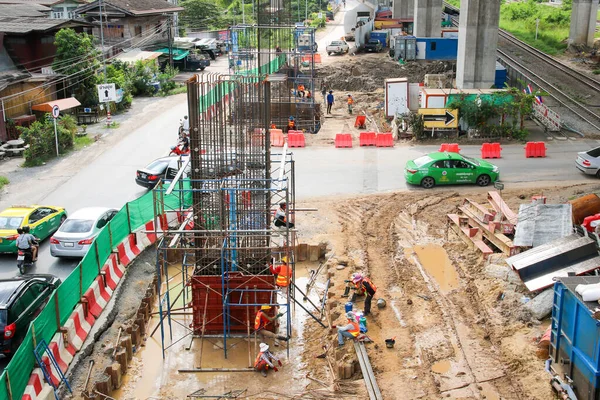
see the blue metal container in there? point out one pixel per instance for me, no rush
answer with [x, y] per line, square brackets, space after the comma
[501, 76]
[348, 307]
[575, 339]
[437, 48]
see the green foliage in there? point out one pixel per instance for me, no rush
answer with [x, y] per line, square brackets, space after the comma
[201, 14]
[3, 181]
[484, 114]
[77, 58]
[40, 138]
[165, 79]
[82, 141]
[596, 71]
[519, 18]
[416, 123]
[117, 72]
[141, 75]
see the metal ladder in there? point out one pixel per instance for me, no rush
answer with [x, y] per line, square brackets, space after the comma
[38, 353]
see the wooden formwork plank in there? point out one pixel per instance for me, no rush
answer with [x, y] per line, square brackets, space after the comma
[501, 207]
[499, 240]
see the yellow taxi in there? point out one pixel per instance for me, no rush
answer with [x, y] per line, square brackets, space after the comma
[42, 220]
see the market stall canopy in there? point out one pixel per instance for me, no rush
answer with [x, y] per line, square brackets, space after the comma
[63, 104]
[178, 54]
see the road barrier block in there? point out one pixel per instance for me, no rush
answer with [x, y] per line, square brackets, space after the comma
[368, 139]
[385, 140]
[343, 140]
[450, 148]
[36, 386]
[490, 150]
[128, 250]
[97, 296]
[296, 139]
[78, 326]
[276, 137]
[535, 149]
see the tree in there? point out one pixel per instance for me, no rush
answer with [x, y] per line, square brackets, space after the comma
[200, 14]
[77, 58]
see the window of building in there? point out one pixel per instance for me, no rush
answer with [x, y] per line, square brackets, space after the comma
[57, 14]
[433, 45]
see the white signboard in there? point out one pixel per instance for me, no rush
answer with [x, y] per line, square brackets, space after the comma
[107, 92]
[55, 111]
[396, 96]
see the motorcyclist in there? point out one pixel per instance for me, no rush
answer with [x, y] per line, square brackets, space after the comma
[27, 243]
[186, 125]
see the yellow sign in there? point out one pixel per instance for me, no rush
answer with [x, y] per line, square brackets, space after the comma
[440, 118]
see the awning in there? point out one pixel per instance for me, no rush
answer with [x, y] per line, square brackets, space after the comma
[178, 54]
[63, 104]
[136, 54]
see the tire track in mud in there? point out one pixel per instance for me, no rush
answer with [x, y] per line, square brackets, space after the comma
[443, 327]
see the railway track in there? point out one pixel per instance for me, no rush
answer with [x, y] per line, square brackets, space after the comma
[583, 83]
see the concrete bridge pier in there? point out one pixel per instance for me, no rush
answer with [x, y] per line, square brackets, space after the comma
[583, 22]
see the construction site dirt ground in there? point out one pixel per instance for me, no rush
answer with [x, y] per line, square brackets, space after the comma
[461, 329]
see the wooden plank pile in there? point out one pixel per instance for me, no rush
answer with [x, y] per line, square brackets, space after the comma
[489, 228]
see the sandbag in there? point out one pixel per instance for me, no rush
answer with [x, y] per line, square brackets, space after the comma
[592, 294]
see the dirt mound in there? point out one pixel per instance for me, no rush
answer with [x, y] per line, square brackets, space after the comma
[366, 73]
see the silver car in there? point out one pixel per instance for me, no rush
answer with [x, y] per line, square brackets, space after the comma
[75, 235]
[588, 162]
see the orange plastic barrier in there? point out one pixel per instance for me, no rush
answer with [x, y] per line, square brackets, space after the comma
[490, 150]
[368, 139]
[450, 148]
[343, 140]
[535, 149]
[296, 139]
[360, 122]
[277, 139]
[385, 140]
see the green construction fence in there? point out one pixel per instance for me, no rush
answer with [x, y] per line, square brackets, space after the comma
[132, 216]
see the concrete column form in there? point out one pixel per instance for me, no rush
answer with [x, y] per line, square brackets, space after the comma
[583, 22]
[428, 20]
[403, 9]
[477, 43]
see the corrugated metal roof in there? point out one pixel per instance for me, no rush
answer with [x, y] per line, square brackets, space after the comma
[134, 55]
[63, 104]
[32, 24]
[24, 10]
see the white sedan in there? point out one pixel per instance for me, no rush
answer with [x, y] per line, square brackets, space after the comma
[76, 234]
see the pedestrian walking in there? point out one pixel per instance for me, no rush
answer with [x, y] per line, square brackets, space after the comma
[350, 103]
[330, 101]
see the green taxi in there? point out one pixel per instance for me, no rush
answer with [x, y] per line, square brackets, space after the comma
[449, 169]
[43, 221]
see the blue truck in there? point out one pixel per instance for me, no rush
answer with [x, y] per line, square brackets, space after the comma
[575, 341]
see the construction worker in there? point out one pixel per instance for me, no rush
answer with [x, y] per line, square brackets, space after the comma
[281, 218]
[364, 284]
[350, 102]
[265, 360]
[329, 101]
[261, 321]
[308, 94]
[291, 124]
[301, 90]
[351, 330]
[283, 272]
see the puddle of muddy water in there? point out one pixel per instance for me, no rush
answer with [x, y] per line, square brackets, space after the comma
[441, 367]
[151, 376]
[488, 392]
[435, 260]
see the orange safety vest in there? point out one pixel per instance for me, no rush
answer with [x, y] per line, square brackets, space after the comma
[283, 278]
[291, 124]
[258, 320]
[258, 359]
[370, 282]
[350, 100]
[355, 329]
[301, 88]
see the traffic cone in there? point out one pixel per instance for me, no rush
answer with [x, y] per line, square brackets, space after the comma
[108, 122]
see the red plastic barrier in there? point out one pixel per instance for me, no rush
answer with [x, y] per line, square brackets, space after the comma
[587, 222]
[368, 139]
[277, 139]
[360, 122]
[535, 149]
[490, 150]
[292, 131]
[343, 140]
[385, 140]
[450, 148]
[296, 139]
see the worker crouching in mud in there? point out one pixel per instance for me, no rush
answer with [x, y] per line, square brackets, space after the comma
[265, 360]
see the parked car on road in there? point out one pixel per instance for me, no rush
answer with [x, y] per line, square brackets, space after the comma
[337, 47]
[449, 168]
[42, 220]
[588, 162]
[21, 300]
[149, 176]
[75, 235]
[373, 45]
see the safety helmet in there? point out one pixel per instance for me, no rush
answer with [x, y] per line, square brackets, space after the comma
[350, 315]
[265, 307]
[264, 347]
[284, 259]
[357, 277]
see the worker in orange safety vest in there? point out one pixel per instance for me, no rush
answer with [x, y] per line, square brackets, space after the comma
[364, 284]
[351, 330]
[261, 321]
[283, 272]
[265, 360]
[350, 103]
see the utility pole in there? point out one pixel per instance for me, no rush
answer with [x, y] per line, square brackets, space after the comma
[102, 40]
[305, 10]
[170, 41]
[243, 13]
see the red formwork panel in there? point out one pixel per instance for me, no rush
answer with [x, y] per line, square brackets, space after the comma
[237, 310]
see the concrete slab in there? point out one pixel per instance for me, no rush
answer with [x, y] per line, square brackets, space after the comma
[539, 224]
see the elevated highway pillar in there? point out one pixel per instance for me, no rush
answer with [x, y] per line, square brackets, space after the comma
[403, 8]
[477, 43]
[583, 22]
[428, 21]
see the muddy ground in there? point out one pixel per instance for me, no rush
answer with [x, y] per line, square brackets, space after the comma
[459, 332]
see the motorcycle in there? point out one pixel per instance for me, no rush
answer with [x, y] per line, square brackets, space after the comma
[179, 150]
[24, 260]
